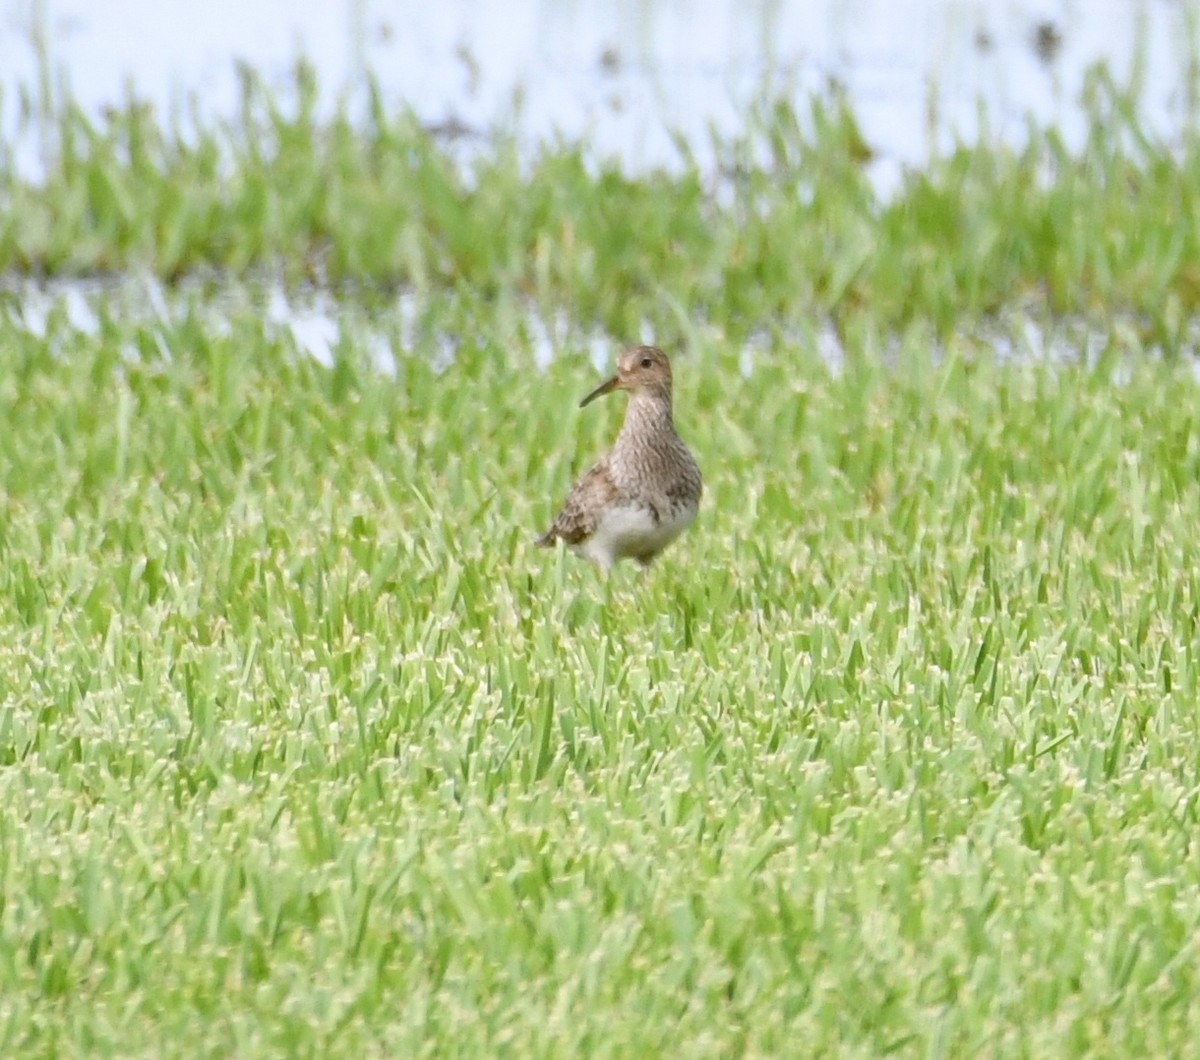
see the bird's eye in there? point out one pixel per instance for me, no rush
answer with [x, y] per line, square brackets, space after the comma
[645, 362]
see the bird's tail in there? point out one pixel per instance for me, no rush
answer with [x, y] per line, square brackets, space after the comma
[547, 539]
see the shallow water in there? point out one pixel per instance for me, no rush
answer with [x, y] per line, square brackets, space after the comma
[622, 74]
[317, 322]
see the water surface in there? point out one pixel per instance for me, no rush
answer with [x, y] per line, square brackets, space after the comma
[623, 74]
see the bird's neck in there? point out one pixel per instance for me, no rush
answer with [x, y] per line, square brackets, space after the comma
[649, 412]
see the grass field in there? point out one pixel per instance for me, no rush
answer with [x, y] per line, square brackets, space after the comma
[305, 750]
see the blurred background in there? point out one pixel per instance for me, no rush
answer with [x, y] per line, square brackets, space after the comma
[629, 76]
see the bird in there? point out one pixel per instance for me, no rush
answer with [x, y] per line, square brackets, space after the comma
[646, 490]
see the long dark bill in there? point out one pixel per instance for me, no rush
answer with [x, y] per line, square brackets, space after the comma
[603, 388]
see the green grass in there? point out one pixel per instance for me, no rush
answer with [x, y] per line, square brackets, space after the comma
[305, 750]
[792, 230]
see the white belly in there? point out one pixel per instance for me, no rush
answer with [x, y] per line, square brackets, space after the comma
[632, 532]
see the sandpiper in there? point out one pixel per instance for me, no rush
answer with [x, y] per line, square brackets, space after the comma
[646, 490]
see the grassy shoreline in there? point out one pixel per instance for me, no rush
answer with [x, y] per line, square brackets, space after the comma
[788, 230]
[305, 750]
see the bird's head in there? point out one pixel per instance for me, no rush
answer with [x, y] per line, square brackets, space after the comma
[642, 369]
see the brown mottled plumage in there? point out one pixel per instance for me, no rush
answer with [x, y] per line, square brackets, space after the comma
[644, 492]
